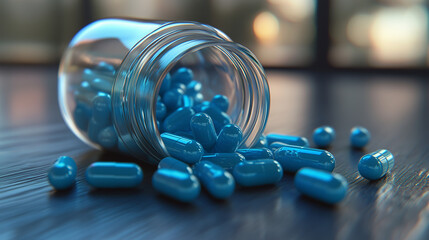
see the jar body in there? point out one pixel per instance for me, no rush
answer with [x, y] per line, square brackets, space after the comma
[111, 75]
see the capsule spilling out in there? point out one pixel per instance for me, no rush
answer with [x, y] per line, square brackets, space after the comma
[172, 163]
[321, 185]
[292, 158]
[176, 184]
[226, 160]
[258, 172]
[184, 149]
[256, 153]
[218, 182]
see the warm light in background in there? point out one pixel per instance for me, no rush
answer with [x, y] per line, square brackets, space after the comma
[266, 27]
[398, 35]
[294, 10]
[358, 29]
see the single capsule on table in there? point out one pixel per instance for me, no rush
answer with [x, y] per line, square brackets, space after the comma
[359, 137]
[257, 172]
[218, 182]
[226, 160]
[114, 175]
[62, 174]
[323, 136]
[203, 130]
[321, 185]
[176, 184]
[186, 150]
[292, 158]
[375, 165]
[291, 140]
[229, 139]
[172, 163]
[178, 120]
[221, 102]
[256, 153]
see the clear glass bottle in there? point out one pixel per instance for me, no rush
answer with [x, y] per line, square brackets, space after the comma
[127, 61]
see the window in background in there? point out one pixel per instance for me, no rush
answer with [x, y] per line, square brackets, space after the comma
[37, 31]
[383, 33]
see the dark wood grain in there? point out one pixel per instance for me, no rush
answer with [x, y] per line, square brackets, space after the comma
[394, 108]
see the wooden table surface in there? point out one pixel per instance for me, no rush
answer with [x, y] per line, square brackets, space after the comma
[395, 108]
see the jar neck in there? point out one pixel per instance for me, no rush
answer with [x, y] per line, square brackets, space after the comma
[141, 73]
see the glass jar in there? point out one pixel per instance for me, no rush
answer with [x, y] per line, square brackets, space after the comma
[123, 63]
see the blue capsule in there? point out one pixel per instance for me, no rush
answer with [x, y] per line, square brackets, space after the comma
[183, 75]
[261, 143]
[203, 130]
[101, 108]
[256, 153]
[101, 85]
[173, 99]
[359, 137]
[176, 184]
[258, 172]
[94, 129]
[62, 174]
[82, 114]
[198, 98]
[200, 106]
[106, 68]
[375, 165]
[226, 160]
[114, 175]
[218, 182]
[186, 150]
[276, 145]
[172, 163]
[221, 102]
[161, 111]
[178, 120]
[321, 185]
[292, 158]
[193, 88]
[323, 136]
[187, 101]
[291, 140]
[180, 86]
[107, 137]
[229, 139]
[220, 119]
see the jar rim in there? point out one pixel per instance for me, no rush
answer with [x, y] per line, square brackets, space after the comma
[145, 65]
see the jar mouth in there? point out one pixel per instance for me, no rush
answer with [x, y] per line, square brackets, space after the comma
[140, 77]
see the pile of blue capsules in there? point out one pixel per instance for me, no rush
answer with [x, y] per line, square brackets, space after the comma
[203, 148]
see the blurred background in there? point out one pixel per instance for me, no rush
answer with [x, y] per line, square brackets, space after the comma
[282, 33]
